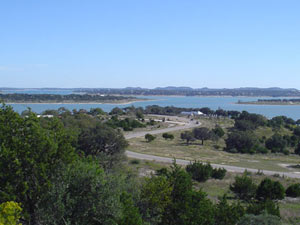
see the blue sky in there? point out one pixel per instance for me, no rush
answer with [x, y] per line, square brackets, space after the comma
[150, 43]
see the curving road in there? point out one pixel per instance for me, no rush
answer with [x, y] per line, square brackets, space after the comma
[191, 124]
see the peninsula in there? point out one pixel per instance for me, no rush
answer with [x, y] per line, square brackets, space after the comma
[272, 102]
[71, 98]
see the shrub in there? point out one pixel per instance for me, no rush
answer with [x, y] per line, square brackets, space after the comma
[244, 187]
[10, 213]
[135, 161]
[269, 189]
[149, 137]
[268, 206]
[293, 190]
[199, 171]
[168, 136]
[262, 219]
[218, 173]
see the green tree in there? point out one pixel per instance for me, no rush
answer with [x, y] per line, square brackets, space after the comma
[276, 143]
[29, 154]
[82, 193]
[269, 189]
[226, 214]
[155, 197]
[293, 190]
[297, 149]
[239, 141]
[202, 133]
[187, 136]
[103, 142]
[243, 187]
[218, 131]
[130, 213]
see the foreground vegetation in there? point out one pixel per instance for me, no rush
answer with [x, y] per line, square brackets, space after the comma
[71, 169]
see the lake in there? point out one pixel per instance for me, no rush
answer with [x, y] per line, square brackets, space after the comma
[226, 103]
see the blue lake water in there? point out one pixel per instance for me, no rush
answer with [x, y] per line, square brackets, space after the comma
[226, 103]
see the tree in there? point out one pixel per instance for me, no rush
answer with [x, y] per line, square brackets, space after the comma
[187, 136]
[202, 133]
[155, 197]
[131, 215]
[218, 131]
[116, 111]
[97, 111]
[244, 187]
[269, 189]
[168, 136]
[297, 149]
[104, 142]
[239, 141]
[149, 137]
[226, 214]
[29, 154]
[276, 143]
[82, 193]
[293, 190]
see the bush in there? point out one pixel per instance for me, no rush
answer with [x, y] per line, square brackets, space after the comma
[269, 189]
[293, 190]
[267, 206]
[168, 136]
[135, 161]
[149, 137]
[10, 213]
[244, 187]
[218, 173]
[199, 171]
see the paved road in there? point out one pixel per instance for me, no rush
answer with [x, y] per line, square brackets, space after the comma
[191, 124]
[186, 162]
[187, 124]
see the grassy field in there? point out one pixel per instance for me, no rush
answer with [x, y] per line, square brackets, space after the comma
[289, 208]
[213, 151]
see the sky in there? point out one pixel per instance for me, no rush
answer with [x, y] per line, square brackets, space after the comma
[150, 43]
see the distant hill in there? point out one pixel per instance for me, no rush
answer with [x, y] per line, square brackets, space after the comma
[183, 91]
[187, 91]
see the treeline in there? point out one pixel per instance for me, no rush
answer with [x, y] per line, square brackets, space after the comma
[70, 169]
[279, 100]
[187, 91]
[51, 98]
[242, 137]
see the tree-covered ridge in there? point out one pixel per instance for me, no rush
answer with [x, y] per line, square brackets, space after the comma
[187, 91]
[72, 98]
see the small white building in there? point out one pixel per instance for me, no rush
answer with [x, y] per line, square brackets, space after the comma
[193, 113]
